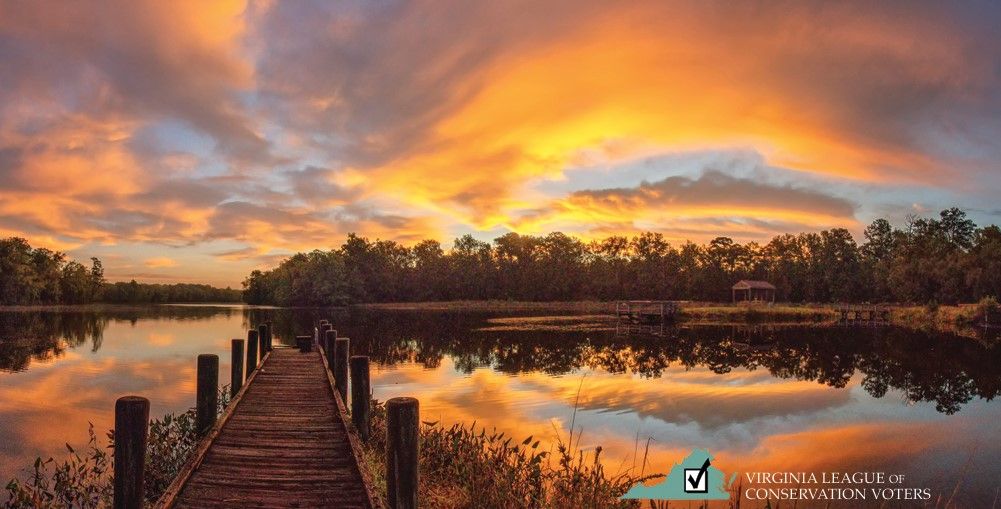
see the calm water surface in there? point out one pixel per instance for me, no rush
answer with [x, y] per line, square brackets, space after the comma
[761, 398]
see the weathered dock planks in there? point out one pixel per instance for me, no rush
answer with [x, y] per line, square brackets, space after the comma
[282, 442]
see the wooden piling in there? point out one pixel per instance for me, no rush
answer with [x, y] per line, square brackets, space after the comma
[304, 343]
[322, 338]
[360, 395]
[402, 418]
[131, 429]
[253, 342]
[264, 333]
[341, 349]
[328, 343]
[236, 367]
[207, 395]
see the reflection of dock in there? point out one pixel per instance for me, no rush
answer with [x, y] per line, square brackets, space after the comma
[646, 312]
[863, 315]
[627, 327]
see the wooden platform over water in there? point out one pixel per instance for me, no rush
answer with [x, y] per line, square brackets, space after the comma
[283, 442]
[863, 314]
[646, 311]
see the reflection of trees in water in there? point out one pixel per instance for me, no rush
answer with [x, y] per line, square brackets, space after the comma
[947, 370]
[27, 336]
[45, 334]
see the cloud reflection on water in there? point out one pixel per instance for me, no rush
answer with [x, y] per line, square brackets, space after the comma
[813, 400]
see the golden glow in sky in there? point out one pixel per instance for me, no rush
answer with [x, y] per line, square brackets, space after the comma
[194, 141]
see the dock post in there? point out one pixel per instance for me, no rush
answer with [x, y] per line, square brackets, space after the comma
[402, 421]
[131, 429]
[265, 337]
[360, 395]
[207, 395]
[341, 348]
[329, 338]
[236, 367]
[324, 338]
[304, 343]
[253, 341]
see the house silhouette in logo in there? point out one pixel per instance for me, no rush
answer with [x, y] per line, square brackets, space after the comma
[693, 479]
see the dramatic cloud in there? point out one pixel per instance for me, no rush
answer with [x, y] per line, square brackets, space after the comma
[689, 208]
[239, 132]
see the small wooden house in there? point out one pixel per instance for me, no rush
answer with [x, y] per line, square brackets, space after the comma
[747, 290]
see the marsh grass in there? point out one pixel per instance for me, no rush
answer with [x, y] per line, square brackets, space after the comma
[84, 479]
[755, 313]
[959, 318]
[470, 466]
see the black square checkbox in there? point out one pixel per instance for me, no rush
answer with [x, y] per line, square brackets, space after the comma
[696, 480]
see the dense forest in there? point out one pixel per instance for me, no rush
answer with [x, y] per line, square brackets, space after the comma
[41, 276]
[137, 293]
[944, 260]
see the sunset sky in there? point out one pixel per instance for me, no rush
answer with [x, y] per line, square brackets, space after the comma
[195, 141]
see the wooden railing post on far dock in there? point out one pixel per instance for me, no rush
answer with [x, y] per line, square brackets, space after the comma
[360, 395]
[207, 395]
[131, 428]
[402, 421]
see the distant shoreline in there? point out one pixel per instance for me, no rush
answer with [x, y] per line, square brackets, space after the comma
[959, 319]
[955, 319]
[99, 306]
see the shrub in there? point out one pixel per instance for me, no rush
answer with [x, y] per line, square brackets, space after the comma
[85, 480]
[467, 466]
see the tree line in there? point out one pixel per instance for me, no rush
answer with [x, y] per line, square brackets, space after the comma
[30, 276]
[947, 259]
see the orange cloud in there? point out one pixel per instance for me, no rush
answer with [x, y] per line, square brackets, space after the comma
[682, 205]
[160, 262]
[656, 78]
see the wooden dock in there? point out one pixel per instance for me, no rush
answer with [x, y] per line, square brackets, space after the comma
[646, 311]
[863, 314]
[284, 441]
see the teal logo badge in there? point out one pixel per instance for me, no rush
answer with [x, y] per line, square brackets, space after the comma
[693, 479]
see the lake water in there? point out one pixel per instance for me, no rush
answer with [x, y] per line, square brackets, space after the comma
[759, 398]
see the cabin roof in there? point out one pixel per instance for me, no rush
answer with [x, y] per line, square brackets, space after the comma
[747, 284]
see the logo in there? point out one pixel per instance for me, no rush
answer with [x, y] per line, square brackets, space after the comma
[693, 479]
[696, 480]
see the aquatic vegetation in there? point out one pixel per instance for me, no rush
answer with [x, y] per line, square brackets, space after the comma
[85, 479]
[465, 465]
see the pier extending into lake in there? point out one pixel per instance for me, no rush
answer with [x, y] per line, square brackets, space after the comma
[282, 442]
[286, 439]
